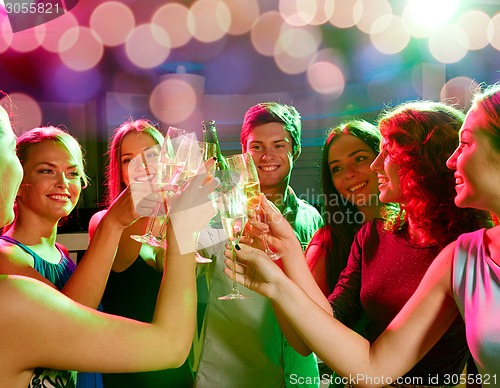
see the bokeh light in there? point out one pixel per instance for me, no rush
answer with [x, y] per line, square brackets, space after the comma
[266, 32]
[367, 12]
[451, 37]
[326, 78]
[297, 12]
[389, 34]
[475, 25]
[112, 34]
[209, 20]
[298, 42]
[324, 11]
[296, 48]
[6, 34]
[289, 64]
[243, 14]
[494, 31]
[173, 100]
[27, 112]
[343, 16]
[55, 29]
[424, 16]
[28, 40]
[173, 18]
[461, 90]
[86, 51]
[153, 53]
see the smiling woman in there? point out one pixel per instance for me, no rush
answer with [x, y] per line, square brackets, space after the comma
[135, 277]
[39, 326]
[351, 197]
[389, 257]
[54, 174]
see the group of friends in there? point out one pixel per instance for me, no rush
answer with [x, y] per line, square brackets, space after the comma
[404, 291]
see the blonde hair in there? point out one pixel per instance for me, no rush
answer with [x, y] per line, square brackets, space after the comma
[56, 135]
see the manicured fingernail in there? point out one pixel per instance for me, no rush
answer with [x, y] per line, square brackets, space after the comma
[214, 158]
[237, 247]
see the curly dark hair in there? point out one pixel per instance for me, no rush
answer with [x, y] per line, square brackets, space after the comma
[421, 136]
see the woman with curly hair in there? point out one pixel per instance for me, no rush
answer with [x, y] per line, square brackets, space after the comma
[350, 193]
[390, 257]
[463, 281]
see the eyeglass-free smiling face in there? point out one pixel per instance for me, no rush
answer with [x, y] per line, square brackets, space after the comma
[271, 148]
[476, 162]
[349, 160]
[389, 182]
[132, 145]
[52, 182]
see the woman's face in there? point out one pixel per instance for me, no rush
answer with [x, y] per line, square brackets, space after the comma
[52, 182]
[349, 160]
[11, 172]
[387, 173]
[143, 167]
[475, 161]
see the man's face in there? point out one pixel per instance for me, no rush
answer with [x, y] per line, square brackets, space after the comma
[271, 148]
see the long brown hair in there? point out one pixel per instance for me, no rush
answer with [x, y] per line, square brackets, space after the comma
[114, 177]
[336, 237]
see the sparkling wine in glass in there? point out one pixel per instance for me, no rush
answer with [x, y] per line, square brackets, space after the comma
[232, 207]
[175, 173]
[243, 164]
[166, 170]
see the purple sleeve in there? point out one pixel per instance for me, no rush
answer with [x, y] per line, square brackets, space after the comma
[345, 298]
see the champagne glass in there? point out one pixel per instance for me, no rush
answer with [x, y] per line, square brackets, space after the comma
[232, 207]
[243, 164]
[174, 173]
[165, 170]
[144, 168]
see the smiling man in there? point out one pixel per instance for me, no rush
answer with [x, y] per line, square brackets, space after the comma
[271, 134]
[243, 344]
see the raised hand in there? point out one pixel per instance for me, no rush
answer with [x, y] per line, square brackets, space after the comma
[192, 208]
[254, 270]
[274, 226]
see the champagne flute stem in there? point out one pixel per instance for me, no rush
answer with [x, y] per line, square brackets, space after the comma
[163, 227]
[152, 220]
[267, 249]
[233, 277]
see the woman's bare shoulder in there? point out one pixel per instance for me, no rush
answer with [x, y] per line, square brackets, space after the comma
[95, 220]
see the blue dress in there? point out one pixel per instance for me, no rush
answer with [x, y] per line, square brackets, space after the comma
[58, 274]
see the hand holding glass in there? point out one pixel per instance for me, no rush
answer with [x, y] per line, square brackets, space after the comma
[167, 171]
[243, 164]
[232, 207]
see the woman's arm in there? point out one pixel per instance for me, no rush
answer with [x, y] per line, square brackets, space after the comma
[294, 263]
[86, 285]
[46, 328]
[283, 239]
[418, 326]
[40, 326]
[316, 261]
